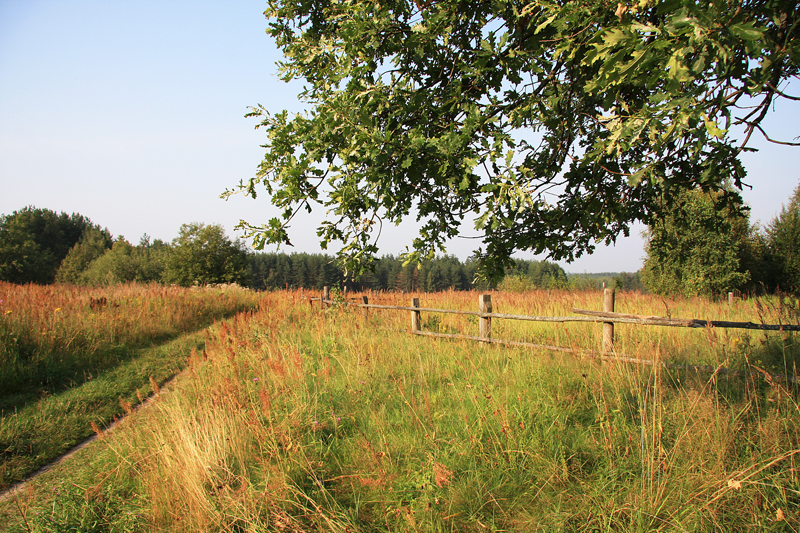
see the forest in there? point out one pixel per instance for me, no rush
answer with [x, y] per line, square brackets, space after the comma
[701, 246]
[44, 247]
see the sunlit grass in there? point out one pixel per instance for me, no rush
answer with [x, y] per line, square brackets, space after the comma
[71, 358]
[301, 419]
[54, 336]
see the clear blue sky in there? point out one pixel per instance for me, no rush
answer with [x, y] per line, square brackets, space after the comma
[132, 114]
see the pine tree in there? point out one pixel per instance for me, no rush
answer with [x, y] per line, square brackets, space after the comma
[784, 245]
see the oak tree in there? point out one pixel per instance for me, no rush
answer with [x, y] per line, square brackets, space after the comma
[553, 124]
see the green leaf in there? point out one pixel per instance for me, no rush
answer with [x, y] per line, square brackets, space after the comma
[713, 129]
[746, 31]
[676, 70]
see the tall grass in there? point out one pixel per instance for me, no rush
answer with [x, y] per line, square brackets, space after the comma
[72, 359]
[57, 335]
[299, 419]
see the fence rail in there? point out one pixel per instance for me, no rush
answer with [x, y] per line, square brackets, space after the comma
[592, 317]
[607, 317]
[622, 318]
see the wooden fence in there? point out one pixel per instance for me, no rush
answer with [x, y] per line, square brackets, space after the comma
[607, 317]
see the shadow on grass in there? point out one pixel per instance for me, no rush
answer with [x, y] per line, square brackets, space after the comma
[22, 384]
[43, 426]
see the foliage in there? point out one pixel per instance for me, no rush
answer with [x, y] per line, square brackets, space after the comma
[126, 263]
[622, 281]
[115, 266]
[270, 271]
[515, 283]
[388, 273]
[151, 259]
[34, 241]
[783, 235]
[556, 124]
[202, 254]
[697, 247]
[93, 244]
[540, 274]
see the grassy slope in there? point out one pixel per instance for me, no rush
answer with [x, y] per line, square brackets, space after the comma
[69, 365]
[43, 430]
[300, 420]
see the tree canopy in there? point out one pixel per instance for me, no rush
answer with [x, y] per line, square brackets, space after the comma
[783, 236]
[203, 254]
[93, 244]
[698, 248]
[34, 242]
[553, 124]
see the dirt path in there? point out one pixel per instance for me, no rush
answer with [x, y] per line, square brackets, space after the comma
[20, 485]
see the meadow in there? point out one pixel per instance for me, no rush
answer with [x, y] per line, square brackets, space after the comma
[297, 418]
[71, 359]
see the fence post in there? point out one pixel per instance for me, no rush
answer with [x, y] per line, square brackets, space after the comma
[485, 306]
[365, 301]
[416, 319]
[326, 294]
[608, 327]
[730, 298]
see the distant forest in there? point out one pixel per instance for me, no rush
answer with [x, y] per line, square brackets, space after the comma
[270, 271]
[42, 246]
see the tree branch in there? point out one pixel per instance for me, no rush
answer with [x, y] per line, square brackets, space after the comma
[781, 93]
[767, 137]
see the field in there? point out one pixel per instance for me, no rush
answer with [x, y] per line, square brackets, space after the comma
[295, 418]
[71, 359]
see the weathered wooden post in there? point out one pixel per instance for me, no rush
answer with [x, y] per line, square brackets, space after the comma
[485, 306]
[365, 301]
[416, 318]
[608, 327]
[326, 294]
[730, 298]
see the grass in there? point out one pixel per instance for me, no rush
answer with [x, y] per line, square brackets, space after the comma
[296, 419]
[72, 360]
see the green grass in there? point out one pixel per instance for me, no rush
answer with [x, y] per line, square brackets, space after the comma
[68, 364]
[300, 420]
[34, 435]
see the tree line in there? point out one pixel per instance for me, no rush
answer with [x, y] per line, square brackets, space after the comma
[42, 246]
[699, 246]
[389, 273]
[703, 245]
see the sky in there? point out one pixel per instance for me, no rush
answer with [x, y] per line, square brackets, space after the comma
[132, 114]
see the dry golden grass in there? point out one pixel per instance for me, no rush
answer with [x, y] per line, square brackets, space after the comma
[72, 359]
[301, 419]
